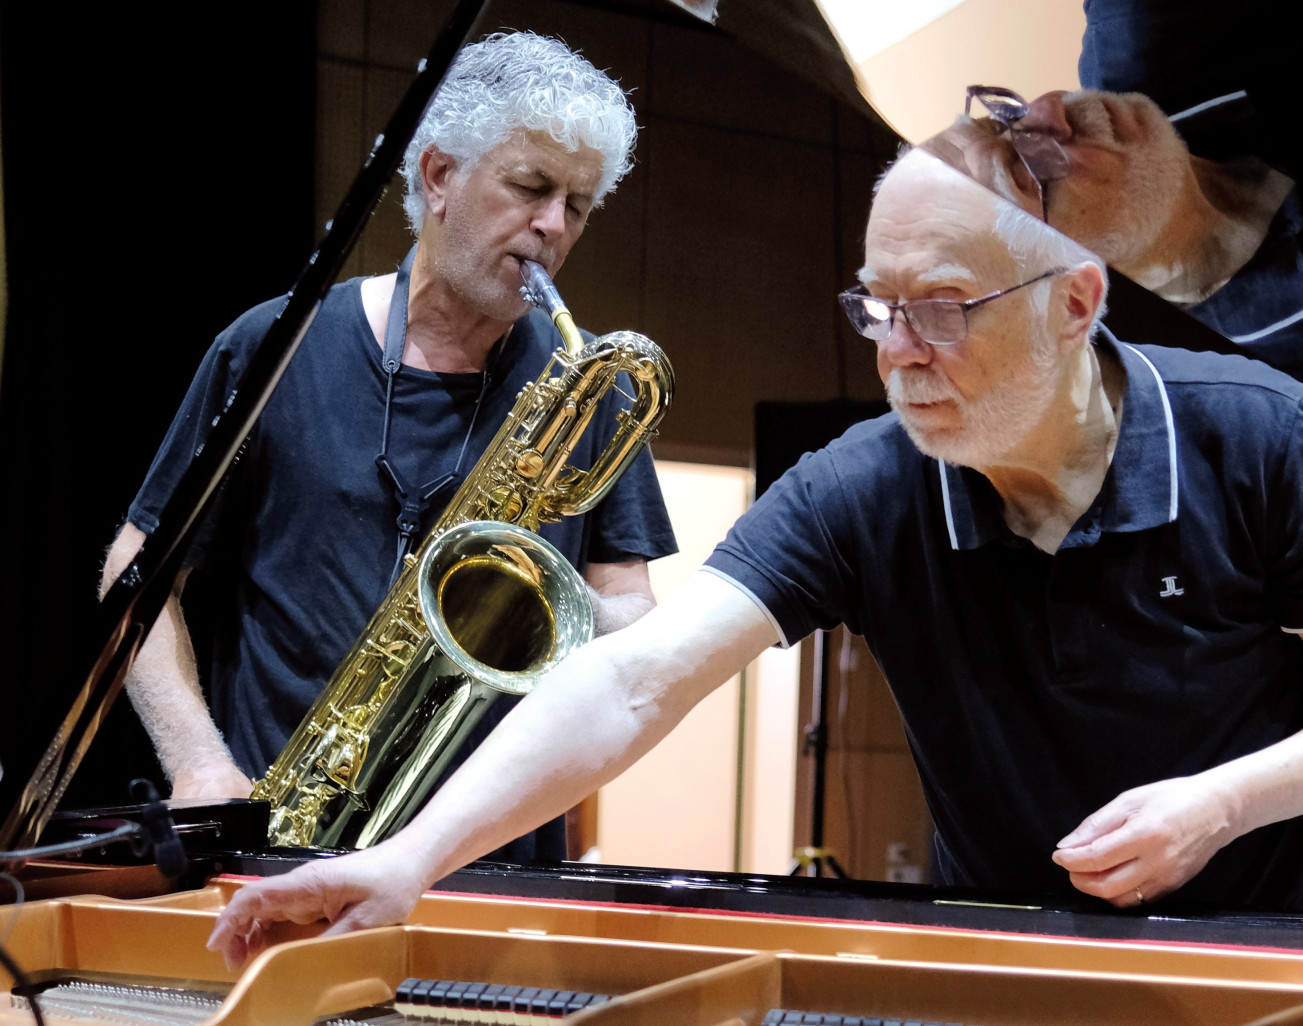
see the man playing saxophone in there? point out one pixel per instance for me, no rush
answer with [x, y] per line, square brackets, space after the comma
[399, 385]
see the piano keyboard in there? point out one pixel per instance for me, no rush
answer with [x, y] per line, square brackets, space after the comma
[449, 1001]
[418, 1002]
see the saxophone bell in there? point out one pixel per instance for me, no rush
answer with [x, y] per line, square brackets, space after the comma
[480, 613]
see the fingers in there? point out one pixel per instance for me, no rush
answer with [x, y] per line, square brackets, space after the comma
[1128, 886]
[1104, 852]
[241, 928]
[1103, 821]
[238, 934]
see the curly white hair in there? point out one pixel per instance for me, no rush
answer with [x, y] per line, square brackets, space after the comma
[513, 80]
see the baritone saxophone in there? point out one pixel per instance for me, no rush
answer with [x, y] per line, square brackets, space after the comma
[480, 611]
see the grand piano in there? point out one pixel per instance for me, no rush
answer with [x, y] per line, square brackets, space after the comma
[667, 946]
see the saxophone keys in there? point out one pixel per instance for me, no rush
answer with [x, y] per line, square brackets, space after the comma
[529, 464]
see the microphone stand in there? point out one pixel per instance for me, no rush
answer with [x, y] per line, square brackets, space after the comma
[104, 652]
[814, 858]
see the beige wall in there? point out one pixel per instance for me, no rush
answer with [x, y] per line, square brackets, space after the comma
[727, 243]
[1031, 48]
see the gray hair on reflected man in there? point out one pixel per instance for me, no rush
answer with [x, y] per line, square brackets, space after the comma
[514, 80]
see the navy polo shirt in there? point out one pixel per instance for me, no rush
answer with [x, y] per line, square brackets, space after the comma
[1035, 688]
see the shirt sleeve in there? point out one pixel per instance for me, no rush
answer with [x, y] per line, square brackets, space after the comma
[793, 550]
[1285, 516]
[209, 394]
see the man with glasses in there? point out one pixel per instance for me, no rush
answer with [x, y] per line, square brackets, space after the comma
[1222, 239]
[1072, 559]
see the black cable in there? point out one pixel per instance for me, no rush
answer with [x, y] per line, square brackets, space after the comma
[126, 830]
[23, 980]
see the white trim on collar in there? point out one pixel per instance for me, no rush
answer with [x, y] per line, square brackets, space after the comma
[1270, 329]
[1216, 101]
[1171, 431]
[945, 500]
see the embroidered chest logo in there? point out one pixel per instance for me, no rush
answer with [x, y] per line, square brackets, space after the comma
[1170, 589]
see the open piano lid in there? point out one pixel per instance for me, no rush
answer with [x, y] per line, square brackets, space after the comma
[107, 646]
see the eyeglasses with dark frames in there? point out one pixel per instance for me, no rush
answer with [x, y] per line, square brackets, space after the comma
[1040, 154]
[939, 322]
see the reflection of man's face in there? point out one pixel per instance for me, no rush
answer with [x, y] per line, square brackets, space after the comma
[1129, 174]
[930, 236]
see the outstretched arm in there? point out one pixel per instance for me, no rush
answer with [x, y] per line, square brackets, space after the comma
[589, 719]
[163, 684]
[1152, 839]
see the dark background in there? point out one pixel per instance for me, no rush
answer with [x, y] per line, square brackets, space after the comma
[154, 187]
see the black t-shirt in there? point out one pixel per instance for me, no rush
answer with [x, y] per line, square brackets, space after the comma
[303, 533]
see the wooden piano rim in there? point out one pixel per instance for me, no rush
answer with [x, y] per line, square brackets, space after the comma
[1054, 952]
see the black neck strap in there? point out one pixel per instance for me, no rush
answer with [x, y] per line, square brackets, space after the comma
[413, 502]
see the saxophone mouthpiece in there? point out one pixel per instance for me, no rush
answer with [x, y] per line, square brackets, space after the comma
[539, 290]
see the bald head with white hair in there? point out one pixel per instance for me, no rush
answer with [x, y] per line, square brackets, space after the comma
[1022, 398]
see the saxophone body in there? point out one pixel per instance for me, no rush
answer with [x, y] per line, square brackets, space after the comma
[482, 610]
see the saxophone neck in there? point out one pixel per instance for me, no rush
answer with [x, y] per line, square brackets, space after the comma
[539, 290]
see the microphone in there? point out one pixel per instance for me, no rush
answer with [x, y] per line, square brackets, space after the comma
[164, 841]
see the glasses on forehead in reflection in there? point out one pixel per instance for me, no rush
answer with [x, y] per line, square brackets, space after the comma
[939, 322]
[1040, 154]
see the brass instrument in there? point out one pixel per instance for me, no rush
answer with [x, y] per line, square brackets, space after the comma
[481, 610]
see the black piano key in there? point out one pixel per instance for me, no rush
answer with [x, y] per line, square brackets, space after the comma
[557, 1006]
[453, 997]
[577, 1001]
[524, 1000]
[422, 991]
[489, 997]
[541, 1001]
[404, 992]
[470, 997]
[506, 1000]
[436, 994]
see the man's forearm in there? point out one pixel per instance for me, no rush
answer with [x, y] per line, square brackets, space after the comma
[1262, 787]
[591, 718]
[163, 685]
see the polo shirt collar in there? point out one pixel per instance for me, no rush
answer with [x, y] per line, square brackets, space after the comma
[1140, 490]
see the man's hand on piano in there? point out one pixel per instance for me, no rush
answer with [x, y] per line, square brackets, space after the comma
[220, 780]
[1148, 841]
[373, 887]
